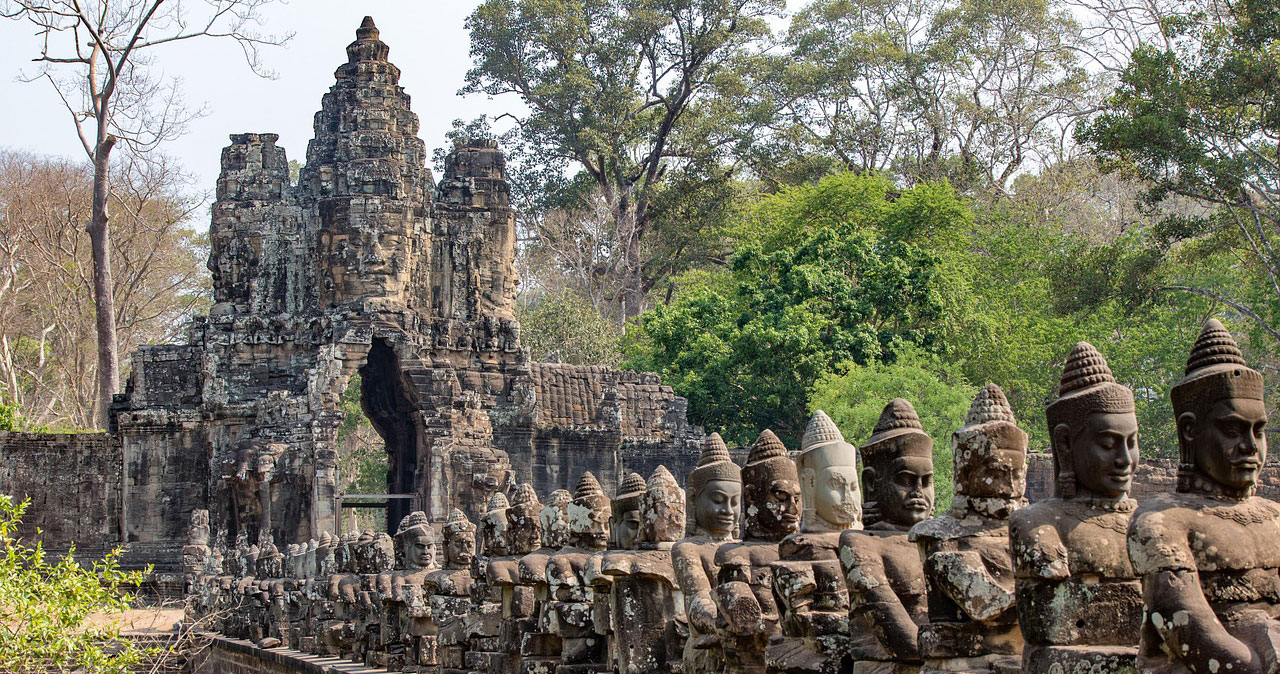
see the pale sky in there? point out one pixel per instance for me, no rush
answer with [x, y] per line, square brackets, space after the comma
[428, 41]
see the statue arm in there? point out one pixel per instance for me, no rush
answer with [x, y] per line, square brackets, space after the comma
[869, 588]
[1038, 551]
[700, 604]
[963, 576]
[1192, 633]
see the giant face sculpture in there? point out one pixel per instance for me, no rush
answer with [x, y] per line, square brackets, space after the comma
[417, 541]
[625, 524]
[990, 450]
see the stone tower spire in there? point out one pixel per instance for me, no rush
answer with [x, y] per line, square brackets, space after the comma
[366, 174]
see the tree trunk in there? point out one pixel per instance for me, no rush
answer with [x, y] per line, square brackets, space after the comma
[104, 302]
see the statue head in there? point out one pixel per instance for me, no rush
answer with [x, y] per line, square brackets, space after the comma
[715, 491]
[459, 540]
[417, 541]
[325, 547]
[624, 525]
[990, 453]
[344, 553]
[1093, 430]
[494, 527]
[828, 468]
[382, 553]
[589, 514]
[525, 528]
[554, 519]
[662, 511]
[1222, 421]
[897, 473]
[771, 491]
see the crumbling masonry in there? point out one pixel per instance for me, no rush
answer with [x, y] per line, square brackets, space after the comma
[368, 266]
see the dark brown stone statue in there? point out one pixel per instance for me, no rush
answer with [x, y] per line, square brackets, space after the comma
[407, 613]
[813, 598]
[973, 625]
[887, 597]
[1209, 554]
[714, 497]
[643, 596]
[449, 594]
[1079, 601]
[744, 594]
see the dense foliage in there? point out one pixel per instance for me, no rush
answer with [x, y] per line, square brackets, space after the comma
[56, 615]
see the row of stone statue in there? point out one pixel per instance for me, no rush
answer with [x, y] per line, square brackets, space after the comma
[781, 566]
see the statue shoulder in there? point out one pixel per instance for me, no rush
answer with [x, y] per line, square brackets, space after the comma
[1158, 534]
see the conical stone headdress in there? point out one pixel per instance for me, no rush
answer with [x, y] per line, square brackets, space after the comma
[415, 520]
[1087, 386]
[458, 523]
[1215, 371]
[497, 502]
[990, 425]
[714, 464]
[897, 433]
[632, 487]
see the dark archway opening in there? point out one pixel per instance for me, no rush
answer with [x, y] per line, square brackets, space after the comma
[392, 410]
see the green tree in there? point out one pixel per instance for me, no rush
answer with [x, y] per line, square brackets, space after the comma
[46, 608]
[1197, 114]
[937, 390]
[970, 90]
[645, 98]
[564, 327]
[826, 276]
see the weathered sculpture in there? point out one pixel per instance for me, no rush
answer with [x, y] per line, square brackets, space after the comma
[540, 646]
[406, 614]
[882, 567]
[714, 497]
[569, 601]
[748, 614]
[643, 592]
[1208, 554]
[524, 535]
[493, 527]
[973, 625]
[1079, 601]
[449, 595]
[814, 601]
[624, 525]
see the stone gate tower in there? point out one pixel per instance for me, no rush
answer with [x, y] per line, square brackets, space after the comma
[366, 266]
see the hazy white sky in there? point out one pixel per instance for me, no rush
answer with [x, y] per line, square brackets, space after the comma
[427, 38]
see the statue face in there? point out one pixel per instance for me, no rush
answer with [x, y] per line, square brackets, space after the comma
[778, 508]
[663, 520]
[460, 549]
[628, 528]
[715, 510]
[835, 494]
[419, 550]
[589, 525]
[1104, 454]
[1229, 446]
[905, 495]
[996, 467]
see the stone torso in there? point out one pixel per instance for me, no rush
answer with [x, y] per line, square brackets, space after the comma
[1232, 545]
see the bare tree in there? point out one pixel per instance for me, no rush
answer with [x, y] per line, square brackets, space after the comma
[97, 56]
[47, 335]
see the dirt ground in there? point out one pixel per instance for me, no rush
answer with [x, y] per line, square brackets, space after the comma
[152, 620]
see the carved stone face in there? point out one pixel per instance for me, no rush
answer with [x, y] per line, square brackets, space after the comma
[664, 519]
[1104, 453]
[992, 463]
[835, 494]
[905, 494]
[715, 510]
[589, 525]
[627, 527]
[460, 549]
[554, 519]
[774, 506]
[419, 549]
[1229, 445]
[494, 527]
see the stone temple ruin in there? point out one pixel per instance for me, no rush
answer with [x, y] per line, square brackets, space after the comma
[366, 265]
[829, 559]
